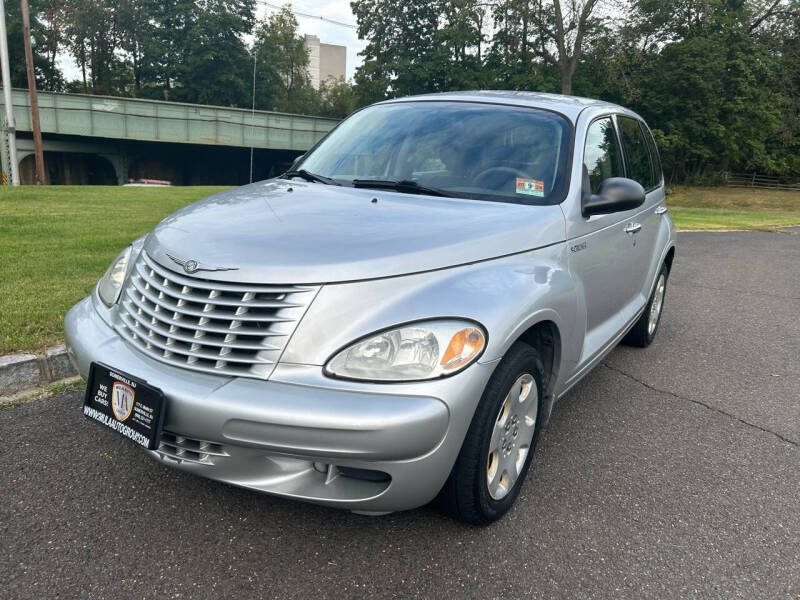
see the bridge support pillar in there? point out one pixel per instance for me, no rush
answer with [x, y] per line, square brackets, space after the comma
[21, 156]
[120, 163]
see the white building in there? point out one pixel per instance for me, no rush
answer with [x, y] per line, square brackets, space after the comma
[325, 61]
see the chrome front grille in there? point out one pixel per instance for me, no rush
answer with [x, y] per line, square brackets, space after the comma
[210, 326]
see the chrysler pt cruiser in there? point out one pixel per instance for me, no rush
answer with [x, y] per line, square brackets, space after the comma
[390, 321]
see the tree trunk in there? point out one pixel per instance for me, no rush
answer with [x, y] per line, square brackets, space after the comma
[92, 67]
[567, 53]
[82, 60]
[567, 69]
[137, 75]
[566, 83]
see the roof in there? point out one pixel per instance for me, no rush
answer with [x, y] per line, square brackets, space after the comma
[570, 106]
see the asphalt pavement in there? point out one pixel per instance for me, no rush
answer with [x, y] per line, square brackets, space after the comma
[670, 472]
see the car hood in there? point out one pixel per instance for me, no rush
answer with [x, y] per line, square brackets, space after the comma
[282, 231]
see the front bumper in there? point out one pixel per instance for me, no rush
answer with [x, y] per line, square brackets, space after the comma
[365, 447]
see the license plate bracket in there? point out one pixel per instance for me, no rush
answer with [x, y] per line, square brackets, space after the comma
[125, 404]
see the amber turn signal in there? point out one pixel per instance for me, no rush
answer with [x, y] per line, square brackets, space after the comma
[464, 346]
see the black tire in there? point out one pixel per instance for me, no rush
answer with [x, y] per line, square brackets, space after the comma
[640, 334]
[466, 495]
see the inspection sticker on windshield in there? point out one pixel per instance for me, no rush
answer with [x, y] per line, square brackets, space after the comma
[531, 187]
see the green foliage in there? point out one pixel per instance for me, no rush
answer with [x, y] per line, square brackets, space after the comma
[281, 56]
[718, 80]
[418, 46]
[214, 68]
[709, 80]
[93, 37]
[47, 39]
[510, 55]
[338, 99]
[137, 39]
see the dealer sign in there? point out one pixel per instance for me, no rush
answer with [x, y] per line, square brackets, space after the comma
[125, 404]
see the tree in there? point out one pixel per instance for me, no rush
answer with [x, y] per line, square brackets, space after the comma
[338, 99]
[187, 50]
[137, 38]
[214, 68]
[92, 30]
[461, 37]
[514, 60]
[707, 81]
[47, 41]
[785, 43]
[48, 31]
[281, 55]
[566, 31]
[418, 46]
[173, 22]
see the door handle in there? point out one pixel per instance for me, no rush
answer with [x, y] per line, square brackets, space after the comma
[661, 210]
[633, 227]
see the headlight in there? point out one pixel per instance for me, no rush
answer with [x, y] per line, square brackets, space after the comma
[424, 350]
[110, 284]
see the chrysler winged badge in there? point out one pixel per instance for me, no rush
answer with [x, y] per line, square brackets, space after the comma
[192, 266]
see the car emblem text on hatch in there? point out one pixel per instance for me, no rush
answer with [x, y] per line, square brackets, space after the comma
[192, 266]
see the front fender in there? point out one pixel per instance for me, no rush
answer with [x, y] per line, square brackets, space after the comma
[506, 295]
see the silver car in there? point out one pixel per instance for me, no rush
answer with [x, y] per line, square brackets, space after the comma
[392, 320]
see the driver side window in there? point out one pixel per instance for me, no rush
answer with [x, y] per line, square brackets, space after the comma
[602, 157]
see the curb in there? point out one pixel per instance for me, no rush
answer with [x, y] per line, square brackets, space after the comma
[41, 391]
[24, 371]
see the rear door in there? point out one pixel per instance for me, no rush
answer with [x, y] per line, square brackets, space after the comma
[642, 165]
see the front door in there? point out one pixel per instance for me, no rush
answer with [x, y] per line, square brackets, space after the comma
[603, 252]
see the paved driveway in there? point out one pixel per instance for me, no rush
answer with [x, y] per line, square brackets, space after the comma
[670, 472]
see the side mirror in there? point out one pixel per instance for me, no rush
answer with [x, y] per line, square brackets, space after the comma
[296, 161]
[614, 195]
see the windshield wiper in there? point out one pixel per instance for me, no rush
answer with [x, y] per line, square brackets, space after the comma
[405, 185]
[308, 176]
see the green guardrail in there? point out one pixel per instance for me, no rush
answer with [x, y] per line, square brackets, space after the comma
[153, 120]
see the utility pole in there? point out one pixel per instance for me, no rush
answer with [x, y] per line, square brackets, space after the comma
[37, 129]
[11, 125]
[253, 113]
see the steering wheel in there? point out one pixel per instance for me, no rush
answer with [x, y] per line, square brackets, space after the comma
[487, 173]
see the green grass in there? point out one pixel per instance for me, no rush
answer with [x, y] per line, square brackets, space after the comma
[733, 208]
[56, 242]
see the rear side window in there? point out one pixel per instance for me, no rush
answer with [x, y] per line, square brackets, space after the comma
[651, 143]
[602, 157]
[636, 152]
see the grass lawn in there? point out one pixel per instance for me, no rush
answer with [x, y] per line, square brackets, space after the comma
[733, 208]
[55, 242]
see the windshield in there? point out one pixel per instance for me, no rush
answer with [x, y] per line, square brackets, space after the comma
[471, 150]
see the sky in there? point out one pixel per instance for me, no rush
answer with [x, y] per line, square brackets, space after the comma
[328, 33]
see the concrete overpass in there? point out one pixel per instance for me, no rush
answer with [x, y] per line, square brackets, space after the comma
[100, 139]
